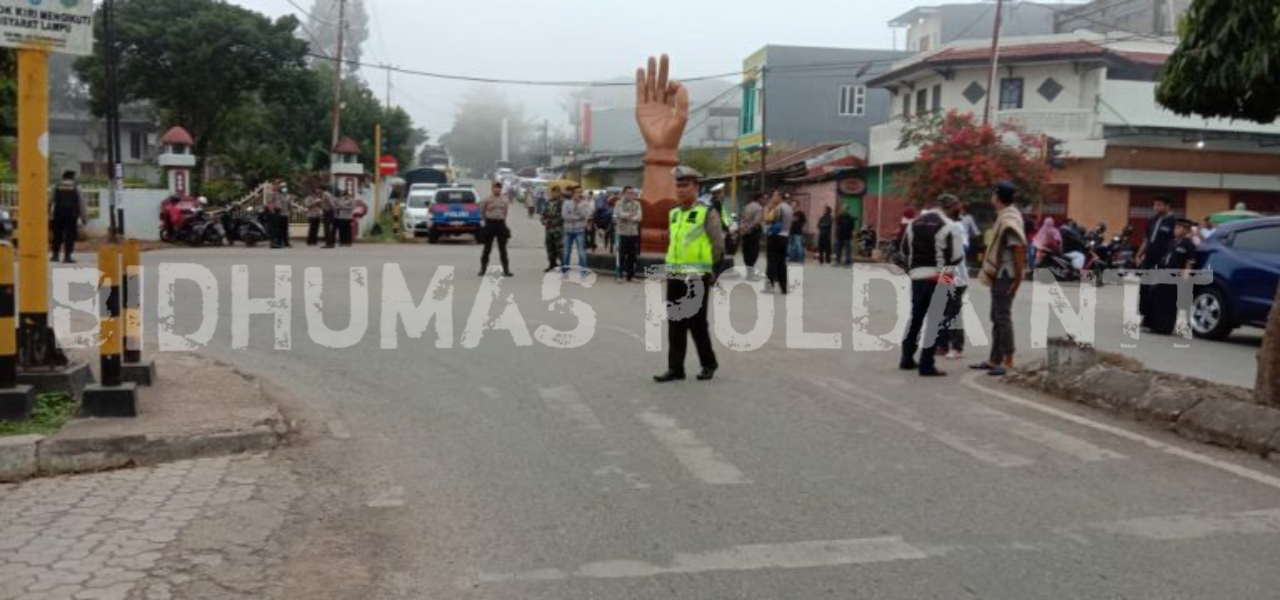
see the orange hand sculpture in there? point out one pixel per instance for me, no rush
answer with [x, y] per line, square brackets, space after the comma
[662, 110]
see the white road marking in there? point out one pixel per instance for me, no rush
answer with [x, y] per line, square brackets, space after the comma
[338, 429]
[1054, 440]
[1234, 469]
[633, 480]
[627, 332]
[696, 456]
[392, 497]
[1190, 526]
[567, 402]
[753, 557]
[895, 412]
[490, 392]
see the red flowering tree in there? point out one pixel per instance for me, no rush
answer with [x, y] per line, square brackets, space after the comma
[960, 156]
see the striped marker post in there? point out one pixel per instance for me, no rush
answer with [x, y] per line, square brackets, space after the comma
[134, 369]
[112, 332]
[15, 400]
[113, 397]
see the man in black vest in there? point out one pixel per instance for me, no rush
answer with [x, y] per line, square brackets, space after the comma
[66, 214]
[933, 253]
[1155, 244]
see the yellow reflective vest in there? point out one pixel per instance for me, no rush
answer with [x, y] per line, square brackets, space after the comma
[689, 249]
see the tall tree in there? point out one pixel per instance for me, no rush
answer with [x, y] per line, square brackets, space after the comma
[8, 93]
[322, 29]
[197, 61]
[1226, 65]
[475, 142]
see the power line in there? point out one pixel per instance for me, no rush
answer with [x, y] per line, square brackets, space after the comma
[377, 27]
[307, 14]
[495, 80]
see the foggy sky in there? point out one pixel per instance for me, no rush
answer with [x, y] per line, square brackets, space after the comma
[587, 40]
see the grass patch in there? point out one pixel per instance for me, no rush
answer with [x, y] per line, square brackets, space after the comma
[390, 234]
[50, 413]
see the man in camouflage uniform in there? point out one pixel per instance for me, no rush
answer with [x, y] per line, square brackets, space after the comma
[554, 224]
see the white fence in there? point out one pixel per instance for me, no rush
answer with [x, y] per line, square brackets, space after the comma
[141, 209]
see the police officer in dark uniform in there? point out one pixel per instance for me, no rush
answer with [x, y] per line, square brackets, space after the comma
[1155, 244]
[1162, 310]
[66, 214]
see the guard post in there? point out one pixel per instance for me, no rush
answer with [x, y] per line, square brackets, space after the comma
[134, 370]
[114, 397]
[15, 400]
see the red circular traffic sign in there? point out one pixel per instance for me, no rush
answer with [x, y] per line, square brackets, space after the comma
[388, 165]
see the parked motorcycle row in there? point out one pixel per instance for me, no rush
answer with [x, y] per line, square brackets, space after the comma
[1100, 255]
[185, 221]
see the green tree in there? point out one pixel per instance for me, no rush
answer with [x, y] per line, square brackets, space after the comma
[709, 162]
[1226, 66]
[197, 61]
[8, 93]
[1227, 63]
[475, 142]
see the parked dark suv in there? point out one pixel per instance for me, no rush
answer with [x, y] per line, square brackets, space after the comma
[1245, 259]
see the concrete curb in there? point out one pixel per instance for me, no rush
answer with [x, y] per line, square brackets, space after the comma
[18, 456]
[1199, 410]
[23, 457]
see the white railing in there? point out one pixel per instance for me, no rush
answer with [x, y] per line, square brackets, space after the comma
[1063, 124]
[92, 198]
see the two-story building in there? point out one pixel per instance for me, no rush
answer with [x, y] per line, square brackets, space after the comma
[927, 28]
[1095, 92]
[801, 96]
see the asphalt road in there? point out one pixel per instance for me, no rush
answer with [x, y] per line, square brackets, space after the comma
[533, 472]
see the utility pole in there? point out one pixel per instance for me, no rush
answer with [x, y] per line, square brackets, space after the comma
[992, 93]
[377, 179]
[546, 140]
[112, 115]
[388, 69]
[337, 75]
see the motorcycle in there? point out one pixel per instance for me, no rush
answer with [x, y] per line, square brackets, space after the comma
[240, 229]
[1116, 255]
[8, 227]
[1059, 265]
[197, 229]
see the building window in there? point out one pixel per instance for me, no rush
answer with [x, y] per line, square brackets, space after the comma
[937, 98]
[924, 44]
[906, 104]
[137, 145]
[1011, 94]
[853, 100]
[922, 102]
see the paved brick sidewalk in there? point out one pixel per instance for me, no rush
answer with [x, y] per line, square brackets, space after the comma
[192, 529]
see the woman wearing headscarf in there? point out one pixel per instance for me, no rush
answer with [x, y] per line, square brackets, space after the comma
[1048, 239]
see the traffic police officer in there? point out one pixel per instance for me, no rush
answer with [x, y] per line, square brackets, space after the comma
[696, 246]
